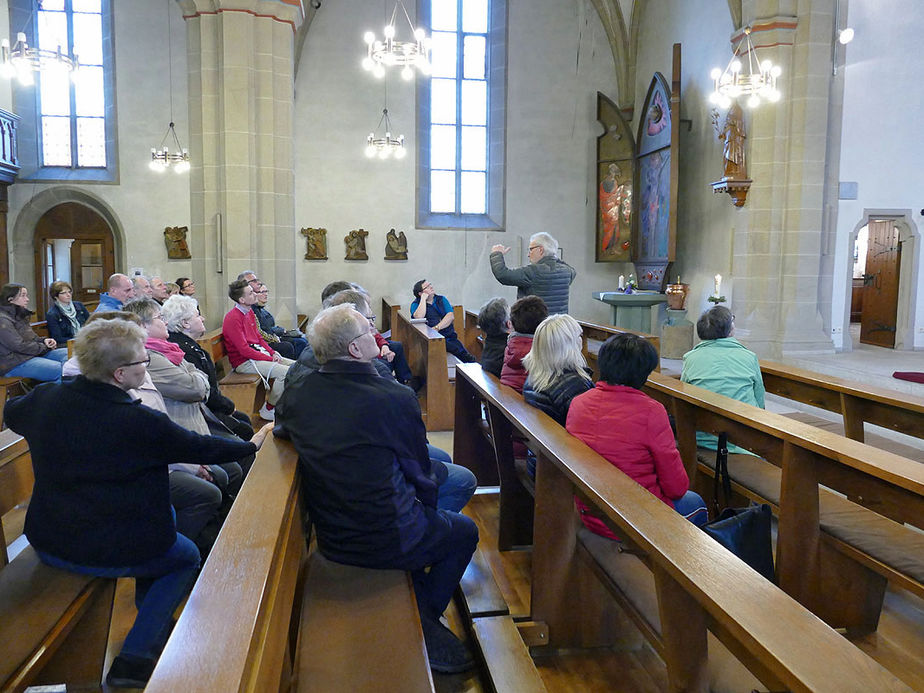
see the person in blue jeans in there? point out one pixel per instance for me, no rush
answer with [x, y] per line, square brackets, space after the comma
[101, 503]
[438, 312]
[24, 354]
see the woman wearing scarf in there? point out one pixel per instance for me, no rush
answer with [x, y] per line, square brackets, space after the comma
[66, 315]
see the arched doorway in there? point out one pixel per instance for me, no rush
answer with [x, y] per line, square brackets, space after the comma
[72, 243]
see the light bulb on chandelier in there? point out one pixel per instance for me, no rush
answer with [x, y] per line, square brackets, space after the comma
[389, 52]
[758, 83]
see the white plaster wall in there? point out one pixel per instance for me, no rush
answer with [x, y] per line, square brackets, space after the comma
[6, 99]
[558, 58]
[706, 222]
[143, 201]
[881, 147]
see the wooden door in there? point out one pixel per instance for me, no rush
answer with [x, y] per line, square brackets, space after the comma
[89, 261]
[880, 290]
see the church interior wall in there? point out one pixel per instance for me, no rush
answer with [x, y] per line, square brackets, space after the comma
[558, 58]
[881, 148]
[141, 201]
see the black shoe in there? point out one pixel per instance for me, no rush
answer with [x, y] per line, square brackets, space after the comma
[447, 654]
[130, 672]
[416, 383]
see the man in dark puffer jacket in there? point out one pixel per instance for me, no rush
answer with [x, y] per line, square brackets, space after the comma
[545, 276]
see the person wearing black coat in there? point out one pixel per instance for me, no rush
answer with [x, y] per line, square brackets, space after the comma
[494, 321]
[66, 316]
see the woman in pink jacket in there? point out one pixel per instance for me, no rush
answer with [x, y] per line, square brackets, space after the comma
[631, 430]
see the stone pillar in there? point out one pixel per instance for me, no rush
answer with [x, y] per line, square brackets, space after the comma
[240, 57]
[777, 251]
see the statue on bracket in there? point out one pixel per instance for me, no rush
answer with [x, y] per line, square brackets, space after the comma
[175, 238]
[395, 246]
[732, 135]
[356, 244]
[316, 240]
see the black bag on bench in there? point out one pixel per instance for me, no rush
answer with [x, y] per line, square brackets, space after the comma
[743, 531]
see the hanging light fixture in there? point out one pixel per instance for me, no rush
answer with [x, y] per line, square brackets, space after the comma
[758, 82]
[162, 157]
[22, 60]
[386, 146]
[388, 52]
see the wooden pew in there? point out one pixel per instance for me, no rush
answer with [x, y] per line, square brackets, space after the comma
[246, 390]
[240, 629]
[425, 350]
[698, 584]
[856, 402]
[389, 316]
[594, 334]
[53, 624]
[833, 555]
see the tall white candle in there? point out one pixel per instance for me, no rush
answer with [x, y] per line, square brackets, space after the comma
[622, 282]
[718, 285]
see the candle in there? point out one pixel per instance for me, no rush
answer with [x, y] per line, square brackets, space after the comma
[622, 282]
[718, 285]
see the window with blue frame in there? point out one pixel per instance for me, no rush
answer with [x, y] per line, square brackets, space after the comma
[461, 115]
[74, 113]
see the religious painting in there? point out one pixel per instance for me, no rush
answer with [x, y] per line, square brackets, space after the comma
[395, 246]
[316, 244]
[615, 174]
[654, 237]
[356, 244]
[175, 239]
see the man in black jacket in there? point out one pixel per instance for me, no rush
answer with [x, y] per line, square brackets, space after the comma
[368, 481]
[545, 276]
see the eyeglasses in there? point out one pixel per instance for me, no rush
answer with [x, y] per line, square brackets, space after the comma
[265, 291]
[158, 316]
[146, 363]
[371, 319]
[533, 247]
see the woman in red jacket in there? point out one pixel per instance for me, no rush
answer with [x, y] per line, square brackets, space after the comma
[631, 430]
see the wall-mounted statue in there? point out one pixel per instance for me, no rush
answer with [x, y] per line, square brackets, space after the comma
[316, 240]
[395, 246]
[356, 244]
[732, 134]
[175, 238]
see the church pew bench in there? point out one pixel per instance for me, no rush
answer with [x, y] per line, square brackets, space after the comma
[389, 316]
[697, 585]
[41, 329]
[594, 334]
[10, 386]
[856, 402]
[53, 624]
[471, 336]
[241, 630]
[833, 555]
[246, 390]
[16, 480]
[425, 350]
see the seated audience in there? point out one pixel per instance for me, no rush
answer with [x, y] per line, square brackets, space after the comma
[247, 351]
[370, 486]
[66, 316]
[632, 430]
[525, 316]
[121, 291]
[183, 387]
[267, 323]
[23, 354]
[100, 503]
[195, 489]
[143, 288]
[557, 369]
[721, 364]
[187, 286]
[438, 312]
[184, 326]
[159, 291]
[494, 321]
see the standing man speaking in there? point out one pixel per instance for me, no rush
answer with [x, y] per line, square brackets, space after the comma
[545, 276]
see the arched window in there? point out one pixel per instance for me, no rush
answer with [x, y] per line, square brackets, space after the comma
[74, 119]
[462, 114]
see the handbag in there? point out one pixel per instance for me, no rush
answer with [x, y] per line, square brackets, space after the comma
[743, 531]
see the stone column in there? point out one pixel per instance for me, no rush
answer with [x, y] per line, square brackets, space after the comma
[778, 249]
[240, 57]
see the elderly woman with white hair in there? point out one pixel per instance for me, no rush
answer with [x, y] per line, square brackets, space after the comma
[101, 504]
[185, 325]
[545, 276]
[557, 369]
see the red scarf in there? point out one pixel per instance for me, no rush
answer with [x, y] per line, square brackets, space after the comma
[173, 352]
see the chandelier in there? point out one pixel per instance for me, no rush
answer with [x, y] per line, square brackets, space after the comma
[161, 157]
[382, 54]
[758, 82]
[22, 60]
[387, 146]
